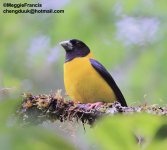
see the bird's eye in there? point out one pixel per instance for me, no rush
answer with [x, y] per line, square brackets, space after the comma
[78, 43]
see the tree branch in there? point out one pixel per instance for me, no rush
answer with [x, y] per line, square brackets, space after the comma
[52, 107]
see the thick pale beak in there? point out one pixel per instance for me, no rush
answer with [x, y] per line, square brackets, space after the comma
[67, 45]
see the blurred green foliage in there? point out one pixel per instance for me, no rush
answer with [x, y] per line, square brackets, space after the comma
[128, 37]
[114, 132]
[121, 132]
[15, 137]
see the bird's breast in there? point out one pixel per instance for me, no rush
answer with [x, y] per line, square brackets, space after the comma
[84, 84]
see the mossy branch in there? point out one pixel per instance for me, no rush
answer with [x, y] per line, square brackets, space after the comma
[52, 107]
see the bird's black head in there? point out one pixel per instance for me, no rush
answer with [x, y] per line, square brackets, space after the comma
[74, 48]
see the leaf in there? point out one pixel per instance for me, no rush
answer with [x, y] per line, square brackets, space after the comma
[161, 132]
[119, 132]
[15, 137]
[33, 138]
[7, 107]
[113, 133]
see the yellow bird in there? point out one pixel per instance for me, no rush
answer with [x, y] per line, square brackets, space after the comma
[86, 80]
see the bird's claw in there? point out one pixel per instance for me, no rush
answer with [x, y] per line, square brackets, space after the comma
[90, 106]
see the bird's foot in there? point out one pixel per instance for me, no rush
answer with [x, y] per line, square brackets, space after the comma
[94, 105]
[90, 106]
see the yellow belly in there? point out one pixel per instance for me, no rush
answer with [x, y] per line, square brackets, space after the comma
[84, 84]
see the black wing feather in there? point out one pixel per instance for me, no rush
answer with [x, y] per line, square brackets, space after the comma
[108, 78]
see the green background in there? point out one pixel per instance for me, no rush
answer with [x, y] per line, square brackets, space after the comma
[127, 37]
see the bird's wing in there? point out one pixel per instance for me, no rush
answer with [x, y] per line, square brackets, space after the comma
[108, 78]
